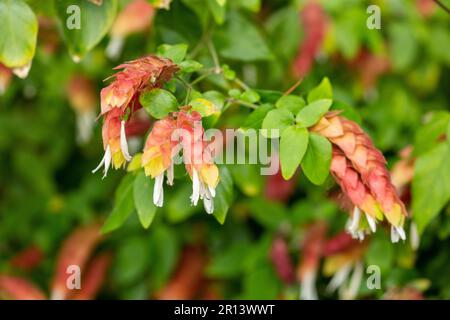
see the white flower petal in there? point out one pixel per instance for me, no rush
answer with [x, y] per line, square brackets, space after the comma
[401, 232]
[170, 174]
[195, 187]
[158, 190]
[308, 286]
[354, 221]
[123, 142]
[114, 47]
[106, 162]
[372, 223]
[414, 236]
[208, 203]
[212, 191]
[355, 282]
[394, 235]
[339, 278]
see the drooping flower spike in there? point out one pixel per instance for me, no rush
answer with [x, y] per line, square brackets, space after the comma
[198, 159]
[120, 100]
[158, 156]
[360, 169]
[312, 248]
[181, 131]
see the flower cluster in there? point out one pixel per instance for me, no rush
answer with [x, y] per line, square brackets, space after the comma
[120, 100]
[360, 169]
[181, 131]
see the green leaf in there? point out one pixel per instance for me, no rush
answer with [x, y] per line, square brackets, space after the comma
[18, 30]
[427, 136]
[224, 195]
[240, 40]
[165, 255]
[290, 102]
[293, 145]
[312, 113]
[267, 213]
[380, 252]
[248, 178]
[230, 262]
[218, 10]
[189, 66]
[123, 205]
[255, 119]
[261, 283]
[317, 160]
[94, 23]
[176, 53]
[158, 102]
[250, 96]
[431, 185]
[143, 199]
[178, 207]
[278, 119]
[322, 91]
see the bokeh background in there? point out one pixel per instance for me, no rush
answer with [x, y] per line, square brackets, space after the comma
[395, 80]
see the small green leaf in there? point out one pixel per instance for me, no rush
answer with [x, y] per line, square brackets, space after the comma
[228, 73]
[317, 160]
[290, 102]
[143, 199]
[189, 66]
[431, 184]
[250, 96]
[18, 30]
[312, 113]
[158, 102]
[176, 53]
[278, 119]
[224, 195]
[123, 205]
[293, 145]
[94, 23]
[255, 119]
[322, 91]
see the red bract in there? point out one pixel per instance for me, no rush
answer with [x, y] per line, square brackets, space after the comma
[19, 289]
[312, 248]
[338, 243]
[279, 255]
[94, 277]
[278, 189]
[75, 250]
[370, 67]
[360, 169]
[120, 100]
[136, 17]
[188, 277]
[82, 97]
[5, 78]
[181, 131]
[314, 23]
[28, 258]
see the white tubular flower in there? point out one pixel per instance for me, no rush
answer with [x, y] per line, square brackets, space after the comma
[106, 161]
[123, 142]
[372, 223]
[351, 292]
[339, 278]
[195, 187]
[397, 233]
[170, 175]
[308, 286]
[414, 236]
[158, 190]
[354, 220]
